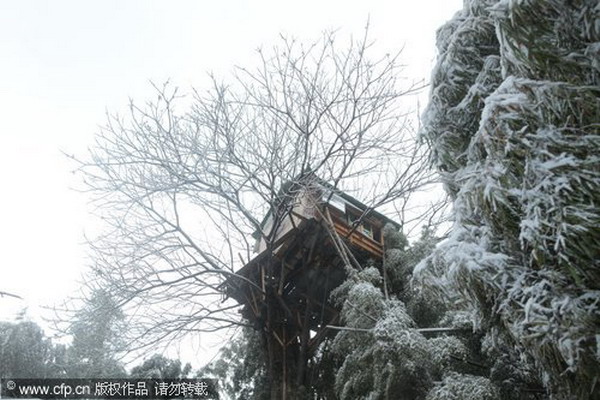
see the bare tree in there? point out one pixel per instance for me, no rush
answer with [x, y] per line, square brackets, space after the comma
[7, 294]
[184, 192]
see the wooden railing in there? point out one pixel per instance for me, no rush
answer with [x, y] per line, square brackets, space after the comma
[358, 239]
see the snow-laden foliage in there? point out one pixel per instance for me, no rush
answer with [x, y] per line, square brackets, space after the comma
[384, 356]
[513, 125]
[553, 40]
[464, 387]
[446, 349]
[510, 368]
[457, 319]
[381, 352]
[25, 352]
[394, 239]
[97, 330]
[468, 70]
[401, 259]
[399, 263]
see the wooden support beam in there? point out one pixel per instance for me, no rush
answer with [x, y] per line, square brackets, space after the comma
[284, 306]
[281, 276]
[262, 280]
[304, 336]
[276, 336]
[313, 244]
[252, 303]
[284, 367]
[292, 340]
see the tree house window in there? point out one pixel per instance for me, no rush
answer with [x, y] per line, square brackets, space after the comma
[365, 227]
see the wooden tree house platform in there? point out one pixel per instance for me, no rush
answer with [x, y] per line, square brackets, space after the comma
[285, 288]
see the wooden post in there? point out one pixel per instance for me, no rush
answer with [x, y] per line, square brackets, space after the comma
[284, 366]
[304, 332]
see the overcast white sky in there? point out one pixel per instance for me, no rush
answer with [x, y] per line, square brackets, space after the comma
[64, 62]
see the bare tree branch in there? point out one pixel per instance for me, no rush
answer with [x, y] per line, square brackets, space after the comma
[182, 193]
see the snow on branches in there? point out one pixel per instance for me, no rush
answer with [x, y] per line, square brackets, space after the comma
[513, 126]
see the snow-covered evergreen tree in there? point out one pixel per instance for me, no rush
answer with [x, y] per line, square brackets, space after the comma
[383, 355]
[25, 352]
[464, 387]
[160, 367]
[514, 128]
[382, 351]
[96, 331]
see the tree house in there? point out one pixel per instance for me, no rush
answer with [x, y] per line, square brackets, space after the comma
[302, 252]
